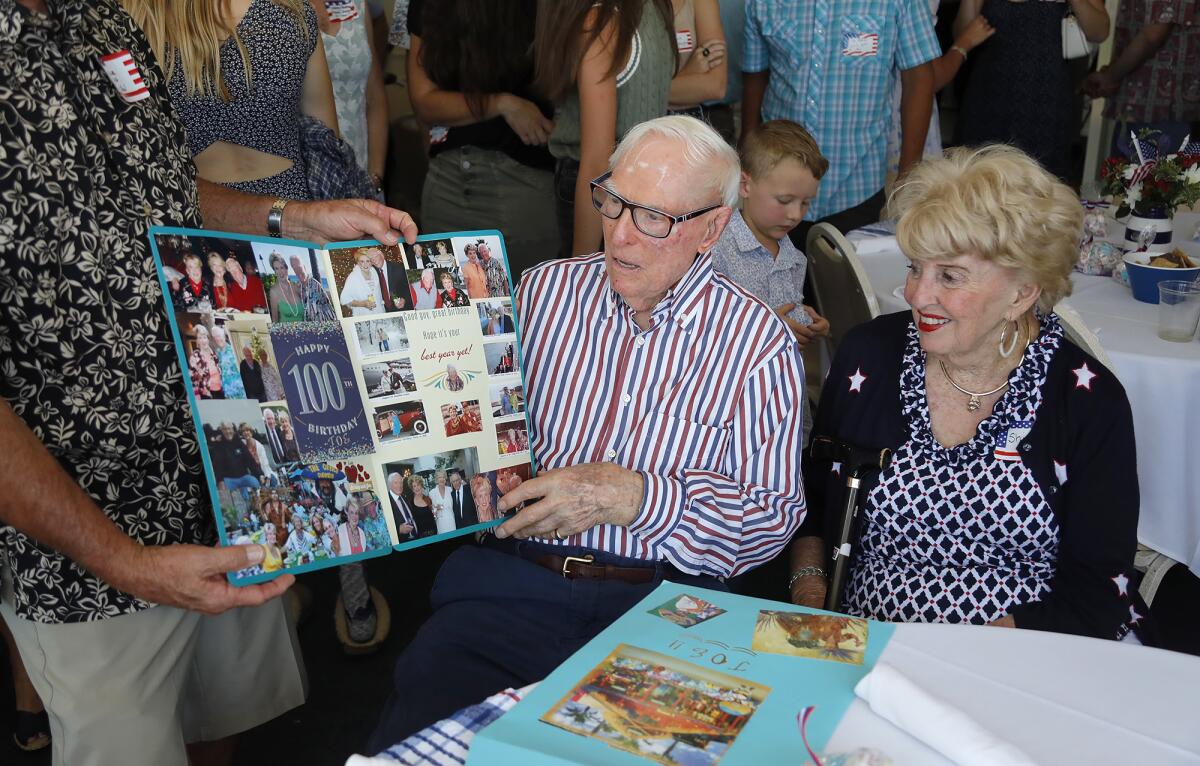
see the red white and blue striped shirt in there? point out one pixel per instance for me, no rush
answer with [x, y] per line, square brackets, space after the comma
[706, 405]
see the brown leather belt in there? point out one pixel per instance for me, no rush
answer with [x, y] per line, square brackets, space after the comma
[584, 568]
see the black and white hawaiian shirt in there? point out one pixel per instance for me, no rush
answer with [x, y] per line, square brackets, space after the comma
[86, 356]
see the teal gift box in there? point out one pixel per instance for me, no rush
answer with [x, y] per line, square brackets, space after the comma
[693, 677]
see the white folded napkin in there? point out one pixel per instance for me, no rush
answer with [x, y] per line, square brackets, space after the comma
[876, 245]
[951, 732]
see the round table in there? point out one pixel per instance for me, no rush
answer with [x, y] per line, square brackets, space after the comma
[1161, 378]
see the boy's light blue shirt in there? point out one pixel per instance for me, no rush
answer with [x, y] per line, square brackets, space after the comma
[831, 63]
[775, 280]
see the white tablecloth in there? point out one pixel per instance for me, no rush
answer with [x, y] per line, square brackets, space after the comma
[1060, 699]
[1161, 378]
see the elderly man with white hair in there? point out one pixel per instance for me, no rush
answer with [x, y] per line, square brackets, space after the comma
[665, 412]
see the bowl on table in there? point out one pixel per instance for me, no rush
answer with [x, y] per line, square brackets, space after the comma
[1144, 278]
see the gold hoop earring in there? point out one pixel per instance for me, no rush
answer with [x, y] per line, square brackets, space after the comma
[1007, 352]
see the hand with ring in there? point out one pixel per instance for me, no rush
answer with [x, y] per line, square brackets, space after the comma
[572, 500]
[712, 54]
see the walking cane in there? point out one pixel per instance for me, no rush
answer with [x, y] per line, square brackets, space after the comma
[855, 461]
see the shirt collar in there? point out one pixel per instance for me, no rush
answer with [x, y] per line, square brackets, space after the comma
[746, 243]
[683, 301]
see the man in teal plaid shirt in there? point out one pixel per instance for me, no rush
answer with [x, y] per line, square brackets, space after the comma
[826, 64]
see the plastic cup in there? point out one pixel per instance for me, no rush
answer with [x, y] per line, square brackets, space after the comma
[1178, 310]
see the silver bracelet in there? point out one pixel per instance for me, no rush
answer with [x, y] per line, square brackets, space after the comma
[275, 217]
[961, 50]
[804, 572]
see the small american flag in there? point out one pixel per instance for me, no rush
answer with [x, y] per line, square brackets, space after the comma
[1143, 170]
[860, 45]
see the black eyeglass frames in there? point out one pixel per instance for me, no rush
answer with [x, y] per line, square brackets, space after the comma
[649, 221]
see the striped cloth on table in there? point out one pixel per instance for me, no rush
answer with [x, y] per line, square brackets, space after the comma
[446, 742]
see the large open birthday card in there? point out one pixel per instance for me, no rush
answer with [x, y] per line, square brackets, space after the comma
[350, 400]
[693, 677]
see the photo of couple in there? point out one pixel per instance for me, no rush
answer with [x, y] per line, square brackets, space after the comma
[297, 290]
[507, 400]
[512, 438]
[391, 378]
[435, 254]
[496, 318]
[381, 336]
[436, 289]
[462, 418]
[482, 271]
[370, 280]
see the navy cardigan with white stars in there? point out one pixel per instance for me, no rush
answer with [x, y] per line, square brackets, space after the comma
[1080, 451]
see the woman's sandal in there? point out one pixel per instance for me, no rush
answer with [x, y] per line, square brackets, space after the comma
[32, 731]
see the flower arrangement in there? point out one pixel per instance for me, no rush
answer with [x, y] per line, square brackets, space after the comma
[1154, 181]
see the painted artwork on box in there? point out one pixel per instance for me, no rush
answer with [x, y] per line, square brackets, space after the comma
[659, 707]
[816, 636]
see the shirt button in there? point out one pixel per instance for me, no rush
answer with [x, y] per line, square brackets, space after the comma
[612, 453]
[640, 341]
[626, 398]
[466, 164]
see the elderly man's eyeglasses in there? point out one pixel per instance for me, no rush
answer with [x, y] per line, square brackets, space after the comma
[649, 221]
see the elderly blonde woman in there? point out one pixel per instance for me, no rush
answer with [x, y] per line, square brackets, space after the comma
[362, 295]
[204, 367]
[231, 378]
[192, 292]
[1011, 498]
[440, 497]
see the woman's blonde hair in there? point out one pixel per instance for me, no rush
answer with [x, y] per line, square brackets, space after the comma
[998, 203]
[195, 29]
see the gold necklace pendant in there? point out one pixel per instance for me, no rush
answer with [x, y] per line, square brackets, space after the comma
[974, 402]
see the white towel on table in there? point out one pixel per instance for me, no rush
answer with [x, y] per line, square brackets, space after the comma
[951, 732]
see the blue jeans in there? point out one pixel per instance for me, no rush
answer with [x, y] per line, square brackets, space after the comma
[244, 483]
[501, 621]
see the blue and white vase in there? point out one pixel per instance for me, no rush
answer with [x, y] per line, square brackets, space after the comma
[1149, 231]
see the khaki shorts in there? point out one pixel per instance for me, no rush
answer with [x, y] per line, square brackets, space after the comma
[133, 689]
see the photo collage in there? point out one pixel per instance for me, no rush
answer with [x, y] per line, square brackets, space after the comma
[353, 399]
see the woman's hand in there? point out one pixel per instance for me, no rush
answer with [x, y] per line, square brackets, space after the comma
[809, 591]
[976, 32]
[526, 120]
[706, 58]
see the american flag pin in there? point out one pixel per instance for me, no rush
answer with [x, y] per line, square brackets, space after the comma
[125, 77]
[860, 44]
[341, 11]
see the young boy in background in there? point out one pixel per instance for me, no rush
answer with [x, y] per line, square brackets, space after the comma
[781, 174]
